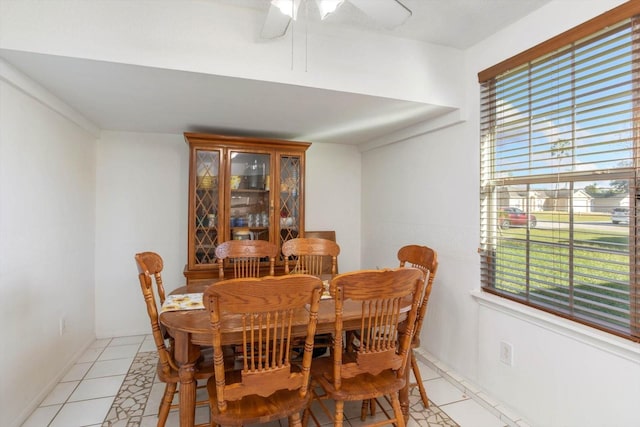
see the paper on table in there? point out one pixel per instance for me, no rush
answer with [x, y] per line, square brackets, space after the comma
[182, 302]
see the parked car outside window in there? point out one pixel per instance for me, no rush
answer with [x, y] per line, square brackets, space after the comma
[620, 215]
[516, 217]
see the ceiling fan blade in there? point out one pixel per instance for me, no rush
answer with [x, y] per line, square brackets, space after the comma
[275, 24]
[389, 13]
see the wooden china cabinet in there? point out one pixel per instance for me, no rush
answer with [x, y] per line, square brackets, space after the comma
[241, 188]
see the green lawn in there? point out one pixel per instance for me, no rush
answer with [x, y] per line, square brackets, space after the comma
[590, 280]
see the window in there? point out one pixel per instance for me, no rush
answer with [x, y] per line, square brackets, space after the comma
[559, 174]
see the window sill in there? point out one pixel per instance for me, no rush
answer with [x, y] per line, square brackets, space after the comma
[583, 334]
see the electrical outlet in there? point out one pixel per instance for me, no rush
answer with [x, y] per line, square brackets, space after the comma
[506, 353]
[62, 325]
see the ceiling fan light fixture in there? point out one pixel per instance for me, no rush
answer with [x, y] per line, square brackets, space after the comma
[327, 7]
[389, 13]
[288, 7]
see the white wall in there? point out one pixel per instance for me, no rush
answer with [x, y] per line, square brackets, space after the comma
[564, 374]
[141, 205]
[141, 192]
[422, 191]
[333, 202]
[47, 208]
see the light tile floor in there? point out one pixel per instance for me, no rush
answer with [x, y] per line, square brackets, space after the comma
[114, 384]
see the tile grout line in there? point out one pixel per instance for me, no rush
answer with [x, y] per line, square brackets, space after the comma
[66, 400]
[473, 391]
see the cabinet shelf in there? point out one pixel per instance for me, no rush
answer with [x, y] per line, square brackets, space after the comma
[244, 227]
[248, 190]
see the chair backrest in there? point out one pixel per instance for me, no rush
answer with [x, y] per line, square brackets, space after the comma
[383, 297]
[262, 312]
[329, 235]
[310, 254]
[245, 256]
[149, 270]
[425, 259]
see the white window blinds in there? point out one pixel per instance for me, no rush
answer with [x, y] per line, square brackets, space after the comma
[559, 161]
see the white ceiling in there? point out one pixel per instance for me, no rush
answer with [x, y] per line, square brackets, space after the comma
[453, 23]
[143, 99]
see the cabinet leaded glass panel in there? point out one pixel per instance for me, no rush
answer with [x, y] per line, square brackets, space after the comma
[206, 206]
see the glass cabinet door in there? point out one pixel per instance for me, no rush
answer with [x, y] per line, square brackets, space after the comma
[206, 201]
[249, 198]
[290, 198]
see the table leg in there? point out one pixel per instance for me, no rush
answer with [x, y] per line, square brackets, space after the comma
[186, 355]
[187, 395]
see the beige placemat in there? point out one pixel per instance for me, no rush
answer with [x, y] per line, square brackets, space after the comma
[182, 302]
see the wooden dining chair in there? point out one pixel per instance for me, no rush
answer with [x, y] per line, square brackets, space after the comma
[150, 267]
[262, 311]
[309, 254]
[377, 367]
[315, 256]
[329, 235]
[246, 256]
[426, 260]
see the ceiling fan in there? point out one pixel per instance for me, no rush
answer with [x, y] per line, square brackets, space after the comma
[388, 13]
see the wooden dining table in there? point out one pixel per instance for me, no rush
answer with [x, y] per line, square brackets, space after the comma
[191, 329]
